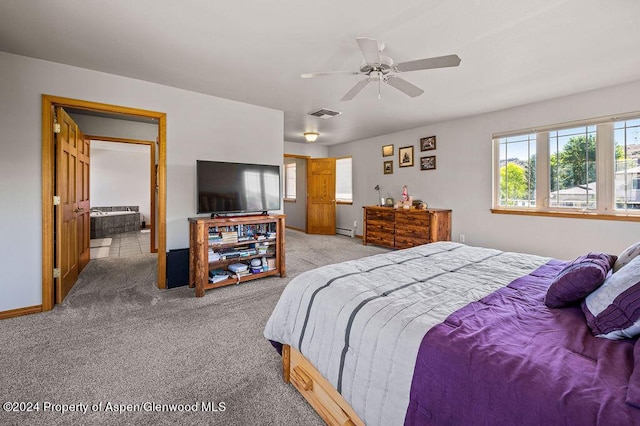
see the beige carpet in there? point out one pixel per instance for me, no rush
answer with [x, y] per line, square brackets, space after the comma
[119, 339]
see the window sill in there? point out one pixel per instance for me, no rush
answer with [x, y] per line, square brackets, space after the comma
[348, 203]
[289, 200]
[570, 214]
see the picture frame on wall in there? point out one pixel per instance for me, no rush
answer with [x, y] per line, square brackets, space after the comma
[428, 143]
[387, 150]
[388, 167]
[428, 163]
[405, 156]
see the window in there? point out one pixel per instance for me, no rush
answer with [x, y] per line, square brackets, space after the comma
[517, 171]
[344, 191]
[572, 167]
[627, 165]
[290, 181]
[590, 167]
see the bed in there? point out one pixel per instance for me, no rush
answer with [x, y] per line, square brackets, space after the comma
[446, 333]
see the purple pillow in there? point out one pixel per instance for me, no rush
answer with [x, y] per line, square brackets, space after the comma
[578, 279]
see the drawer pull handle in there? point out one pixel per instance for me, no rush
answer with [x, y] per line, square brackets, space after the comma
[301, 378]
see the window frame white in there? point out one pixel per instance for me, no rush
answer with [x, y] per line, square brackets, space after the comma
[350, 183]
[290, 181]
[605, 171]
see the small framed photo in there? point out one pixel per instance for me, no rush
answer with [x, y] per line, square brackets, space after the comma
[405, 156]
[388, 167]
[428, 143]
[428, 163]
[387, 150]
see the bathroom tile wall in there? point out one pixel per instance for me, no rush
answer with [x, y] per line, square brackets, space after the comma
[105, 226]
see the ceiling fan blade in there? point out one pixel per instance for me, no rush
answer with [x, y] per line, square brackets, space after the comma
[404, 86]
[322, 74]
[429, 63]
[370, 49]
[355, 90]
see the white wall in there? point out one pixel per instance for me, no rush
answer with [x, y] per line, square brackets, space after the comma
[306, 149]
[462, 180]
[198, 127]
[120, 176]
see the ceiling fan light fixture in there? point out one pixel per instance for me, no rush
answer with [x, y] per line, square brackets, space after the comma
[311, 136]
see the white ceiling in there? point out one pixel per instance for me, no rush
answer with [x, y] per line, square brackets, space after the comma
[513, 52]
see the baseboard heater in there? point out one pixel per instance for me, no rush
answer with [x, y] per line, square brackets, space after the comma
[346, 231]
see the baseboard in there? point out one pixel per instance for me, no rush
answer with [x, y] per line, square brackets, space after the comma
[295, 229]
[20, 311]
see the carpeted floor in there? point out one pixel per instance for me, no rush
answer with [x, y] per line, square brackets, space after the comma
[119, 340]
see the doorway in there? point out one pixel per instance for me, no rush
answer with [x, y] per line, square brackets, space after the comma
[112, 164]
[49, 217]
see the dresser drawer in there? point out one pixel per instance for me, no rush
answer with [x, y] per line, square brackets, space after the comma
[380, 214]
[379, 226]
[380, 238]
[405, 241]
[418, 218]
[412, 230]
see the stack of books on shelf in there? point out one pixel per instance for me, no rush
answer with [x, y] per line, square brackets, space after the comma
[229, 237]
[217, 275]
[213, 256]
[215, 238]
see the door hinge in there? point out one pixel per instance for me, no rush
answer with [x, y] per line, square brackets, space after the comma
[56, 272]
[56, 128]
[56, 200]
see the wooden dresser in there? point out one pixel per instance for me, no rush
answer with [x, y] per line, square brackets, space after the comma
[385, 226]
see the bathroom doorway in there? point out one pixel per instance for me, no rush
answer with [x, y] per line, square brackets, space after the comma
[50, 209]
[123, 188]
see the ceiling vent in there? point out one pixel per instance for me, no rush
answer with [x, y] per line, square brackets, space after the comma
[325, 113]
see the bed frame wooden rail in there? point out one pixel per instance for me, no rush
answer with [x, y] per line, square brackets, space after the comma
[317, 390]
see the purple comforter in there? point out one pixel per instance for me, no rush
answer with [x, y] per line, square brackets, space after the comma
[508, 359]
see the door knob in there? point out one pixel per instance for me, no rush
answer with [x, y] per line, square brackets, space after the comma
[78, 210]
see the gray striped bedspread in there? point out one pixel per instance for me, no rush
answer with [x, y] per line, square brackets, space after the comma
[360, 323]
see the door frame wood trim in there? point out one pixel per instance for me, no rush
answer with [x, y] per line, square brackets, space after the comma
[48, 179]
[152, 176]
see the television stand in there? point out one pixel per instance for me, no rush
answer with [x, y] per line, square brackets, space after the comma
[215, 243]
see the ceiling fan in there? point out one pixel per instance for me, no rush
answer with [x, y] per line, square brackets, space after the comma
[382, 69]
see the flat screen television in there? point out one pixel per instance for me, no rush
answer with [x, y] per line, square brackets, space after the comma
[225, 187]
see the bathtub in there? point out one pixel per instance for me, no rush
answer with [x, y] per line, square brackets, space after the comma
[102, 214]
[106, 223]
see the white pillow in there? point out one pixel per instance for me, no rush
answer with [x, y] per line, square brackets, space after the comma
[613, 309]
[627, 256]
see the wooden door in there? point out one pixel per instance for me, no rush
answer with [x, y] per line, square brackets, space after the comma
[321, 196]
[67, 248]
[82, 191]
